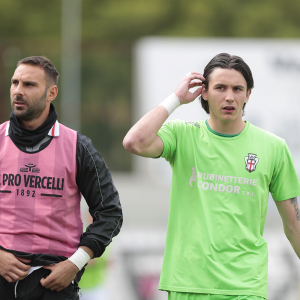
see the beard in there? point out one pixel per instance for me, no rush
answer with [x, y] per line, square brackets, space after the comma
[31, 111]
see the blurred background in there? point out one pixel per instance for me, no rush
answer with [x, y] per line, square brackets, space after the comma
[118, 59]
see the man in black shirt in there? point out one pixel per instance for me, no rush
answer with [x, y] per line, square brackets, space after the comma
[42, 248]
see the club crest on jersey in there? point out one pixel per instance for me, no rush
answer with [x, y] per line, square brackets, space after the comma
[251, 161]
[30, 168]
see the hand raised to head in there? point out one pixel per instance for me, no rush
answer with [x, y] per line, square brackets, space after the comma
[192, 79]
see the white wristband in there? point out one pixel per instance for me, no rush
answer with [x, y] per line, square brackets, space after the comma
[171, 103]
[80, 258]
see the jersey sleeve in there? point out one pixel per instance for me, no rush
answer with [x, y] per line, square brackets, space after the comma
[168, 135]
[96, 185]
[285, 182]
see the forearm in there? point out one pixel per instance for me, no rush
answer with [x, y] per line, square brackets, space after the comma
[293, 235]
[81, 257]
[107, 224]
[105, 208]
[143, 134]
[290, 214]
[88, 251]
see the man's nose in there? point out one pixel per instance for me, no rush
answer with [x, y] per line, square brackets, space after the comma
[230, 96]
[18, 89]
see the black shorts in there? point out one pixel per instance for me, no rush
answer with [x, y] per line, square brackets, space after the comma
[30, 288]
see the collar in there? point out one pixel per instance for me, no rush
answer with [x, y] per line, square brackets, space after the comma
[54, 131]
[220, 134]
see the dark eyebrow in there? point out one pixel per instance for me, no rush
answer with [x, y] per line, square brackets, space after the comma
[239, 86]
[30, 82]
[224, 85]
[25, 82]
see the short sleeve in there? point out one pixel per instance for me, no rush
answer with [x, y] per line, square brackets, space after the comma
[285, 182]
[168, 135]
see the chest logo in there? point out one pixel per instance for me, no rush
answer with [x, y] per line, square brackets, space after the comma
[30, 168]
[251, 161]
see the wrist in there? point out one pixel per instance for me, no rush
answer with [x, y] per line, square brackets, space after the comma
[171, 103]
[80, 258]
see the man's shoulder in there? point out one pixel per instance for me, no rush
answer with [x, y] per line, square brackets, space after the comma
[179, 128]
[4, 124]
[264, 132]
[86, 145]
[265, 135]
[4, 127]
[178, 123]
[81, 138]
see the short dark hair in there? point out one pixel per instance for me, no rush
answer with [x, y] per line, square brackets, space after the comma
[43, 62]
[226, 61]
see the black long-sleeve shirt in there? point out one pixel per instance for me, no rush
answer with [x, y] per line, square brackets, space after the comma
[95, 183]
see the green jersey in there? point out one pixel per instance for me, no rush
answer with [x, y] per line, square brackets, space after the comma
[218, 205]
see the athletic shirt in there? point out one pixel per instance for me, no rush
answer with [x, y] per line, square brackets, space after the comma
[218, 205]
[39, 198]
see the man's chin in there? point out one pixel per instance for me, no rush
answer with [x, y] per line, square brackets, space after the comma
[20, 113]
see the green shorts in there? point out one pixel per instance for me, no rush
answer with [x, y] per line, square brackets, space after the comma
[191, 296]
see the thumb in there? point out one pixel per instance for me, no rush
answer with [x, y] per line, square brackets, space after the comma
[44, 280]
[46, 277]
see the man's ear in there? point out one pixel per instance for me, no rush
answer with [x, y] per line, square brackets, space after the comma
[204, 93]
[52, 92]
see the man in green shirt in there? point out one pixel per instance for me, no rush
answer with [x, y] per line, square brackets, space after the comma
[223, 170]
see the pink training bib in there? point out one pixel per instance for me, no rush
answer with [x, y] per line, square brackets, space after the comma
[39, 198]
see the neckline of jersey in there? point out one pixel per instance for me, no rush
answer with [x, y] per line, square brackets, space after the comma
[226, 136]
